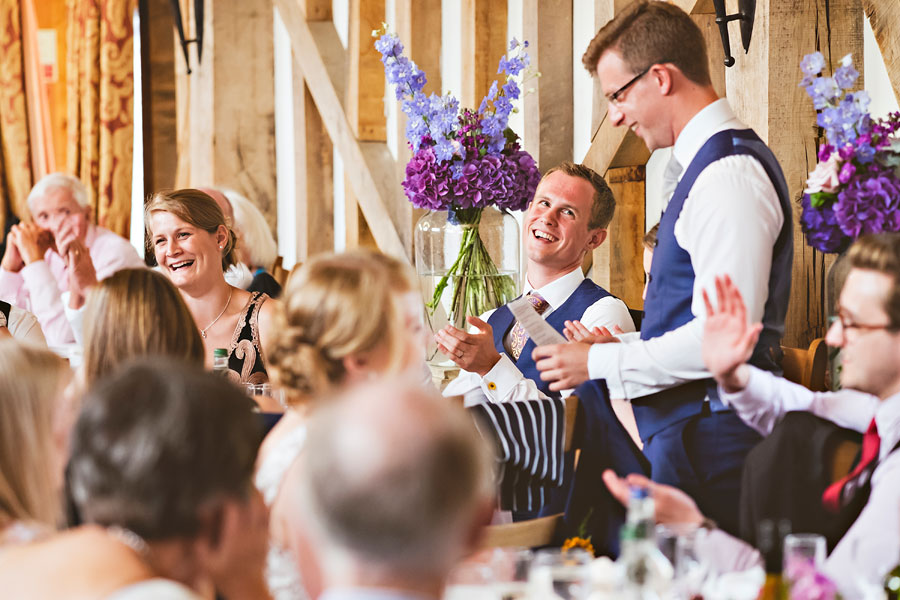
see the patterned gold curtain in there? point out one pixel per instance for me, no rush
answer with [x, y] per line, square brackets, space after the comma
[15, 154]
[100, 92]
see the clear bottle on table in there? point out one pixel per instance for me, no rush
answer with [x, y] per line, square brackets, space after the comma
[220, 361]
[648, 573]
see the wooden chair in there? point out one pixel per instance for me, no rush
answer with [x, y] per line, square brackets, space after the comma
[534, 532]
[807, 367]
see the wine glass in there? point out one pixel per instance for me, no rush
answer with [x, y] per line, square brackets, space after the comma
[558, 574]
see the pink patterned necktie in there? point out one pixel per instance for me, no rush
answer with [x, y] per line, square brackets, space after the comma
[517, 337]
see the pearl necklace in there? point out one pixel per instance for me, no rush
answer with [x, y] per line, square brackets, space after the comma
[205, 329]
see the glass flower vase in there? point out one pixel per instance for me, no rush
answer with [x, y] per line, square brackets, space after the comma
[467, 261]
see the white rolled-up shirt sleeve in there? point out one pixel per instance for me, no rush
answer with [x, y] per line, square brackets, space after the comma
[767, 398]
[506, 383]
[728, 225]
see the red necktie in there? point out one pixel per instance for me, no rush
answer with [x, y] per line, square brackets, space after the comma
[517, 337]
[832, 498]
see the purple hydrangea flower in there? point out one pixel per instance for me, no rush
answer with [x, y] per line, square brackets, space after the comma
[428, 182]
[869, 202]
[847, 171]
[821, 228]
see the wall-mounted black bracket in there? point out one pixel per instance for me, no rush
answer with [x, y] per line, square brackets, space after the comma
[746, 15]
[198, 26]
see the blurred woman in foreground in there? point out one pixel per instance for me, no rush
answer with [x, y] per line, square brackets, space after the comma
[36, 414]
[343, 318]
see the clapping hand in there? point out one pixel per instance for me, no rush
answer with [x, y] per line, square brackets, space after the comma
[71, 230]
[12, 260]
[474, 352]
[728, 340]
[564, 365]
[31, 241]
[81, 273]
[575, 331]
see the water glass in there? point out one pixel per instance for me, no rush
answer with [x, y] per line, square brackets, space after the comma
[557, 574]
[801, 551]
[268, 398]
[470, 580]
[511, 567]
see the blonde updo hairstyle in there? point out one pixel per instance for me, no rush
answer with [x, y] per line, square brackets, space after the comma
[336, 306]
[194, 208]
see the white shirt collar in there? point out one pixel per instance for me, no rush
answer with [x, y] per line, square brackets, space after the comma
[557, 291]
[712, 119]
[887, 417]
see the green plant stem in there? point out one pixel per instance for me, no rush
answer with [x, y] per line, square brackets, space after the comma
[478, 285]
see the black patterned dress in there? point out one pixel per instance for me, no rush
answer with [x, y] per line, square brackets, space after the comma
[245, 357]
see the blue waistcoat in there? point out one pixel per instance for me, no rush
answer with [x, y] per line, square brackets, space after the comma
[573, 308]
[671, 289]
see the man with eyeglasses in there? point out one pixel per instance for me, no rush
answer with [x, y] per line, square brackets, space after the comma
[729, 213]
[862, 509]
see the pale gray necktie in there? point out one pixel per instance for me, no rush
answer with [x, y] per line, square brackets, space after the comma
[670, 178]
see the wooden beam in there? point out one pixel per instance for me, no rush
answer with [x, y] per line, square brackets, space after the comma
[316, 10]
[158, 94]
[227, 124]
[365, 74]
[483, 43]
[315, 194]
[884, 17]
[548, 131]
[356, 231]
[615, 147]
[763, 91]
[372, 187]
[618, 262]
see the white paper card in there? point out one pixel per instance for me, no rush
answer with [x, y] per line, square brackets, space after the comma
[536, 327]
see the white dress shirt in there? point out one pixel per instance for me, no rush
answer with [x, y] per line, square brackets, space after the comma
[24, 327]
[505, 382]
[871, 546]
[728, 225]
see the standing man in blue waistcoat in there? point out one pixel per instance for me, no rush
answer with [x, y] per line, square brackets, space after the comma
[729, 213]
[567, 218]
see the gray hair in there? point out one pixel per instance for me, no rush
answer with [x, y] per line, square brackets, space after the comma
[395, 477]
[158, 441]
[253, 230]
[59, 181]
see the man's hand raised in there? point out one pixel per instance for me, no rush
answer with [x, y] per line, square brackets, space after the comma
[474, 352]
[728, 340]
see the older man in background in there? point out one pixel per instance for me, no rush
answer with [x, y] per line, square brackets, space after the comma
[395, 487]
[51, 262]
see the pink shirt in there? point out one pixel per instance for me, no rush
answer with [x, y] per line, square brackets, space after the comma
[38, 286]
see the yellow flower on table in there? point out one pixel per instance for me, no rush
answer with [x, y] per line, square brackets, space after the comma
[578, 542]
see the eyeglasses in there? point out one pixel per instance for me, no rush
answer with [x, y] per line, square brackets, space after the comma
[614, 97]
[847, 324]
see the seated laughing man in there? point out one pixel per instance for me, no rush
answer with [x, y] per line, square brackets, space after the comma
[567, 218]
[61, 251]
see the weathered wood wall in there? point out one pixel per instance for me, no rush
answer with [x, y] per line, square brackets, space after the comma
[339, 103]
[226, 106]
